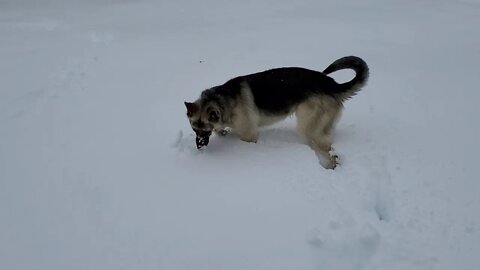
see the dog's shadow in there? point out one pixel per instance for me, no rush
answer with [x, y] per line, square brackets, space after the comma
[280, 135]
[268, 138]
[271, 138]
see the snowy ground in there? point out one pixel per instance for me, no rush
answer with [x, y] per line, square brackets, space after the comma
[98, 166]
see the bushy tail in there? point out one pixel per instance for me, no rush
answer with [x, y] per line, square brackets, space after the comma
[351, 88]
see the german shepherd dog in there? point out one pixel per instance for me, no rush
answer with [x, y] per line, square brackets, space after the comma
[245, 103]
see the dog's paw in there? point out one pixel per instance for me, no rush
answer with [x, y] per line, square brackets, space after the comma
[328, 161]
[250, 139]
[223, 132]
[329, 164]
[334, 161]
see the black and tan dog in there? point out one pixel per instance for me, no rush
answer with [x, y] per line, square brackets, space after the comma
[248, 102]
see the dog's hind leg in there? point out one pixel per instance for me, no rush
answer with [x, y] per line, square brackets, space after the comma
[316, 119]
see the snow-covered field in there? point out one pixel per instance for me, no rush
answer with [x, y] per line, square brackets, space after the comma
[98, 165]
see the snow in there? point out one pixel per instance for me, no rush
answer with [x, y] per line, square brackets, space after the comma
[99, 169]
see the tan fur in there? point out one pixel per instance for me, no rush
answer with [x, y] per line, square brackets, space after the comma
[316, 120]
[245, 117]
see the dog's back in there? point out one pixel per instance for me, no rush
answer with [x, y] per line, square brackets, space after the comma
[278, 90]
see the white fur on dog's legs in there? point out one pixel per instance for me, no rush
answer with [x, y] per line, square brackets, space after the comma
[316, 119]
[327, 159]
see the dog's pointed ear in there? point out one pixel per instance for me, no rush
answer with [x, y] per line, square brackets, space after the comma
[191, 108]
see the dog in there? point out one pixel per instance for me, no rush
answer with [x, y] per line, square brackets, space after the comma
[246, 103]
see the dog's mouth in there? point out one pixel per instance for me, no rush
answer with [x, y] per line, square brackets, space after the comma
[202, 139]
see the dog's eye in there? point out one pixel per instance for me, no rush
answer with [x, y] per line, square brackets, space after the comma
[213, 116]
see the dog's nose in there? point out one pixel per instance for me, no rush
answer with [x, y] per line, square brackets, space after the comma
[202, 138]
[202, 141]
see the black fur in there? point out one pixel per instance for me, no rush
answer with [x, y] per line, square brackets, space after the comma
[276, 91]
[361, 69]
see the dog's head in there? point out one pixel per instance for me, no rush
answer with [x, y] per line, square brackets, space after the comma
[204, 118]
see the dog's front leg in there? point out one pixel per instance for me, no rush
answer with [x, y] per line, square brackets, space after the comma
[246, 124]
[248, 133]
[252, 138]
[222, 132]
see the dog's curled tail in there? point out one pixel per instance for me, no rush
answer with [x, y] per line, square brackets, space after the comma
[351, 88]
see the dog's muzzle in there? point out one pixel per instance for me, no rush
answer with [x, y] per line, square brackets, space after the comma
[202, 139]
